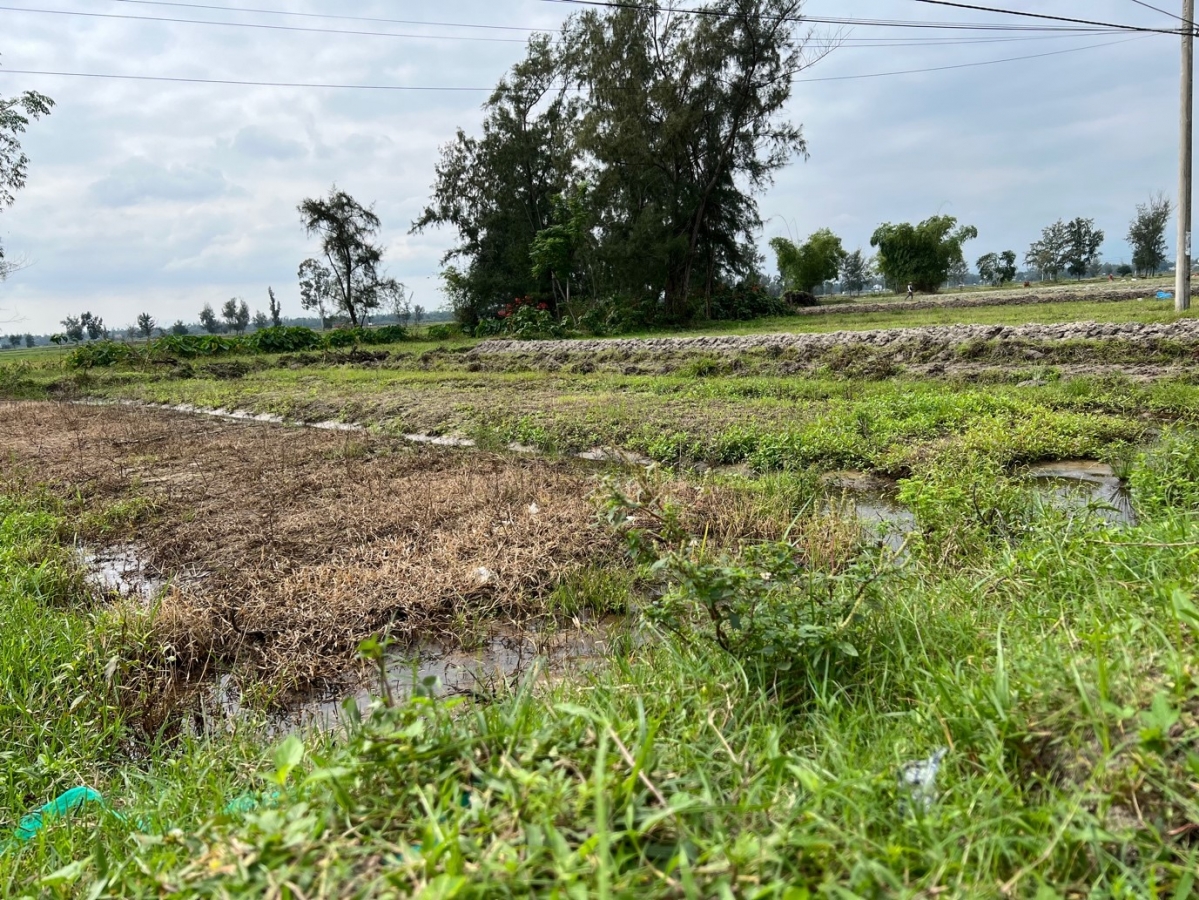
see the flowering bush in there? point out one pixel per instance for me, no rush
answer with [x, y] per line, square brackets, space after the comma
[524, 319]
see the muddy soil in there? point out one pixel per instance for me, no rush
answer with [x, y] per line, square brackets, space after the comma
[310, 540]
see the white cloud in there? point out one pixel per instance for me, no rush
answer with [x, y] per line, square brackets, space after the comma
[161, 197]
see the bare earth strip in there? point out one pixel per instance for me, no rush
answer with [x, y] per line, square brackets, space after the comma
[932, 336]
[1104, 293]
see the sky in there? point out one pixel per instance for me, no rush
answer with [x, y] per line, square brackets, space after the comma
[159, 197]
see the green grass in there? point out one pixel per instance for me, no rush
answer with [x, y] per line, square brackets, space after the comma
[1053, 658]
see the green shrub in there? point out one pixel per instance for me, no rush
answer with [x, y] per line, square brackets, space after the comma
[442, 332]
[101, 354]
[285, 339]
[190, 346]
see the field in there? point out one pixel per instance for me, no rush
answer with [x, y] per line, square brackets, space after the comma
[809, 618]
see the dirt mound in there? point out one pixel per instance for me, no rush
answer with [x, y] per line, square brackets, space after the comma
[1028, 297]
[929, 339]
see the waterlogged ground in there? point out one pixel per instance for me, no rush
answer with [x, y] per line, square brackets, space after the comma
[724, 675]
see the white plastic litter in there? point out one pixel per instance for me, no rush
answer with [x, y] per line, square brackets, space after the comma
[534, 509]
[483, 575]
[919, 779]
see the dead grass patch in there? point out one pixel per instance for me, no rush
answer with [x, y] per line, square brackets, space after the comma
[313, 541]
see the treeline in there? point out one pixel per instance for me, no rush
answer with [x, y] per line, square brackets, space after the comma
[170, 349]
[931, 254]
[617, 169]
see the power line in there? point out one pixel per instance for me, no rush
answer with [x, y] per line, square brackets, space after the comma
[987, 62]
[231, 81]
[303, 15]
[846, 42]
[259, 25]
[1046, 16]
[1164, 12]
[1105, 27]
[429, 88]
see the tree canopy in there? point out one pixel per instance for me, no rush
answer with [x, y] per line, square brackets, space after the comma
[997, 268]
[1147, 234]
[921, 255]
[813, 262]
[15, 115]
[347, 230]
[622, 158]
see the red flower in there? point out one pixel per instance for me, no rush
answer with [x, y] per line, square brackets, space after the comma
[543, 306]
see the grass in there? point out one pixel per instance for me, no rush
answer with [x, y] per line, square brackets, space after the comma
[1054, 660]
[744, 739]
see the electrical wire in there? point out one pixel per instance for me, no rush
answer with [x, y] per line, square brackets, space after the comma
[424, 88]
[1106, 27]
[259, 25]
[305, 15]
[986, 62]
[846, 43]
[1164, 12]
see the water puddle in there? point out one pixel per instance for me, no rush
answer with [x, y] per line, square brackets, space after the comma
[615, 454]
[507, 656]
[121, 571]
[439, 440]
[1085, 486]
[872, 501]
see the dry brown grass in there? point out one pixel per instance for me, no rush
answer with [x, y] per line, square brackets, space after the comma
[312, 541]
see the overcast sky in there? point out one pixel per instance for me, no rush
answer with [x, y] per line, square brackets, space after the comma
[159, 197]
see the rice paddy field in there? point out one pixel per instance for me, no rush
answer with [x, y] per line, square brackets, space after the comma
[907, 614]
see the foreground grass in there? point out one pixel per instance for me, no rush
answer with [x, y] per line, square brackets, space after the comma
[1052, 658]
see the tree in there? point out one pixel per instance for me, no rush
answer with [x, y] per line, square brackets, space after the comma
[1124, 269]
[208, 320]
[1082, 246]
[276, 309]
[261, 320]
[316, 289]
[997, 268]
[921, 255]
[496, 190]
[15, 115]
[179, 329]
[814, 262]
[674, 123]
[30, 342]
[14, 341]
[683, 122]
[72, 329]
[557, 250]
[145, 325]
[346, 229]
[855, 270]
[1147, 234]
[1048, 254]
[94, 326]
[236, 315]
[418, 313]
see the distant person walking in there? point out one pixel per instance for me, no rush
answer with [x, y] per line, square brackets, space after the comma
[909, 292]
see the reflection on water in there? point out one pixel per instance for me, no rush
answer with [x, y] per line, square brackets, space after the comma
[120, 570]
[1085, 485]
[508, 656]
[1077, 486]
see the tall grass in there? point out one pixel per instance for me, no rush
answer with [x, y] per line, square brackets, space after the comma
[1054, 659]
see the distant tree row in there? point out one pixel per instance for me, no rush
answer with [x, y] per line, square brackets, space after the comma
[929, 255]
[15, 340]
